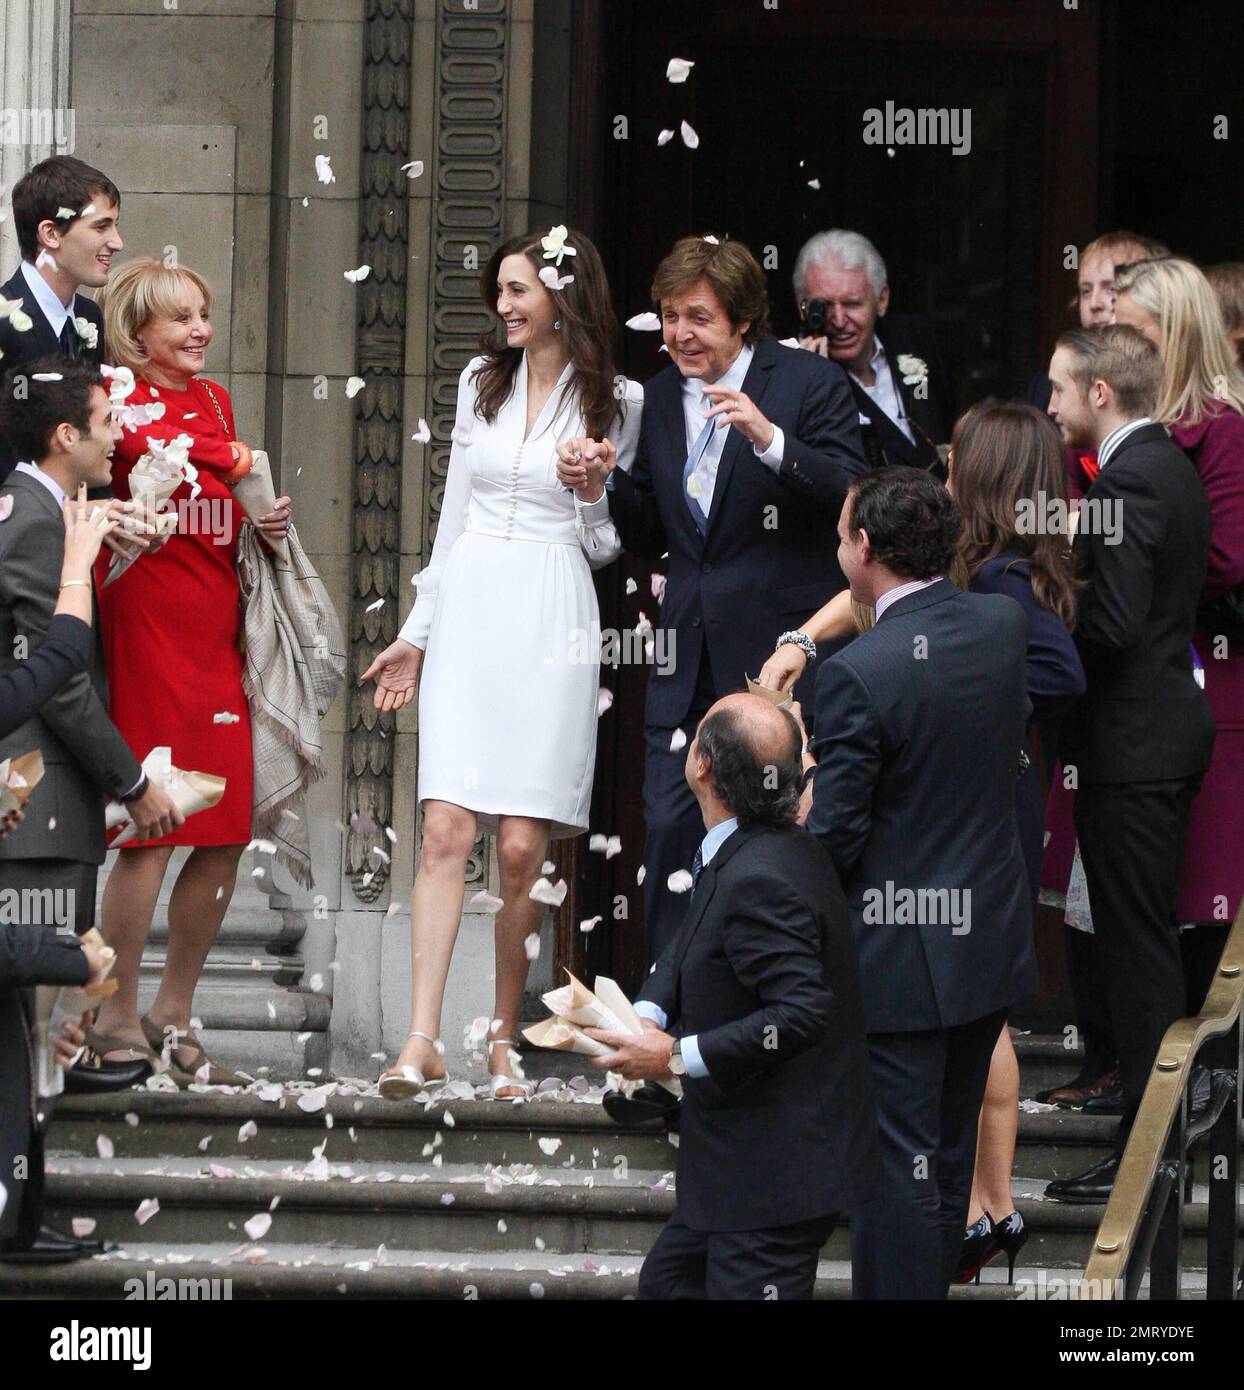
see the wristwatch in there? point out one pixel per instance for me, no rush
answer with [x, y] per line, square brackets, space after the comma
[677, 1066]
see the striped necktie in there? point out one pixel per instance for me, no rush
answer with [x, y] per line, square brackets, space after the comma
[698, 513]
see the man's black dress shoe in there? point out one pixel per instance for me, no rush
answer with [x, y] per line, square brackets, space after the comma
[50, 1247]
[649, 1102]
[90, 1074]
[1083, 1089]
[1109, 1101]
[1094, 1186]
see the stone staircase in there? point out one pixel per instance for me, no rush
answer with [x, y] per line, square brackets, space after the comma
[461, 1199]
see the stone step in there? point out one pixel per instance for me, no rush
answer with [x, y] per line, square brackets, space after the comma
[559, 1209]
[258, 1006]
[235, 966]
[289, 1272]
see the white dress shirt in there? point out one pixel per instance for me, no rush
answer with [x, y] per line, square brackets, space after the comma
[1116, 437]
[913, 586]
[884, 391]
[47, 299]
[690, 1048]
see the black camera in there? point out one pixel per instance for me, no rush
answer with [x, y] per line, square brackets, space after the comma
[815, 320]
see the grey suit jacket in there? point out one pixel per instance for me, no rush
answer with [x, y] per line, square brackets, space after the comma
[86, 761]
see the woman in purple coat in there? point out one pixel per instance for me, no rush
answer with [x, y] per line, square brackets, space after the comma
[1201, 402]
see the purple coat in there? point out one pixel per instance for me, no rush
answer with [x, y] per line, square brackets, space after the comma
[1213, 874]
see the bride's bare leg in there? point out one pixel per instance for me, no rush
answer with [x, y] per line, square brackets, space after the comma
[435, 911]
[522, 844]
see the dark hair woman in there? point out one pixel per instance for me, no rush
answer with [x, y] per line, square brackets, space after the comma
[508, 689]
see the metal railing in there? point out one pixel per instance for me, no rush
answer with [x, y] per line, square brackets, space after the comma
[1143, 1225]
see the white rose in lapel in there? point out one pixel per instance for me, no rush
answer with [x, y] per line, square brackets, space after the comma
[554, 244]
[87, 332]
[914, 369]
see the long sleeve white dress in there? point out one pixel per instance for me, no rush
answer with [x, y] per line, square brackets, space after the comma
[506, 610]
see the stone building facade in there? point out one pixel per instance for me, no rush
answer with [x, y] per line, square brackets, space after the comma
[221, 121]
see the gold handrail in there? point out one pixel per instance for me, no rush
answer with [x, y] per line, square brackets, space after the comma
[1159, 1108]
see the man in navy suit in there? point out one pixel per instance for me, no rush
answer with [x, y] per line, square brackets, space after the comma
[66, 217]
[746, 450]
[920, 723]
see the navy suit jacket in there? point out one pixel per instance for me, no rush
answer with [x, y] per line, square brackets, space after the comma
[920, 723]
[38, 341]
[769, 557]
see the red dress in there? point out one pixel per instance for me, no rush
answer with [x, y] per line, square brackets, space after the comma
[172, 623]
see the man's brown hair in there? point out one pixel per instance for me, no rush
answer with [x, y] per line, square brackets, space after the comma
[732, 271]
[1122, 357]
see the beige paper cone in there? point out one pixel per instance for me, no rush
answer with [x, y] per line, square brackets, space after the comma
[152, 492]
[256, 495]
[192, 792]
[560, 1036]
[575, 1003]
[18, 779]
[775, 697]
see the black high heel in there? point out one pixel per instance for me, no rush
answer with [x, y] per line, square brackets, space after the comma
[1010, 1235]
[980, 1243]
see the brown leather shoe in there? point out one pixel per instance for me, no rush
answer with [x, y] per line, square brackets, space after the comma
[1074, 1094]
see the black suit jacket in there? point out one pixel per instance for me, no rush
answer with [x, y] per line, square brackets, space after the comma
[763, 971]
[1143, 717]
[920, 722]
[930, 408]
[86, 760]
[769, 557]
[18, 348]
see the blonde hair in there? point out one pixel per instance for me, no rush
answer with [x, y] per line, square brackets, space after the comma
[139, 292]
[1198, 361]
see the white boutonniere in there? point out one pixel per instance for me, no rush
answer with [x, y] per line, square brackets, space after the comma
[12, 310]
[554, 244]
[914, 369]
[87, 331]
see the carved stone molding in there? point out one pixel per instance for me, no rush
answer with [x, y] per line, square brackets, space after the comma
[380, 355]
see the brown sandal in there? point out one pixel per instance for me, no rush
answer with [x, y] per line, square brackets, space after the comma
[164, 1040]
[98, 1045]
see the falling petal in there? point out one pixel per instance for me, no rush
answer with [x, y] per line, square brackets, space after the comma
[679, 69]
[550, 278]
[548, 867]
[423, 434]
[6, 507]
[679, 881]
[631, 586]
[589, 924]
[225, 718]
[531, 945]
[646, 322]
[413, 169]
[604, 699]
[147, 1208]
[324, 169]
[678, 740]
[549, 1145]
[712, 240]
[372, 607]
[258, 1226]
[658, 587]
[542, 891]
[665, 137]
[354, 276]
[689, 137]
[597, 844]
[614, 847]
[103, 1146]
[485, 902]
[354, 386]
[82, 1226]
[641, 874]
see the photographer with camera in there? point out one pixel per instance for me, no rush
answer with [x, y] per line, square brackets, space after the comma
[902, 389]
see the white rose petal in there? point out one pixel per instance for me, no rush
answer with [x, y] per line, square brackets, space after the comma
[689, 137]
[413, 169]
[679, 69]
[589, 924]
[258, 1226]
[678, 740]
[423, 434]
[645, 323]
[354, 386]
[614, 847]
[224, 717]
[82, 1226]
[642, 874]
[542, 891]
[548, 276]
[485, 902]
[372, 607]
[679, 881]
[597, 844]
[631, 586]
[324, 169]
[549, 1145]
[665, 137]
[531, 944]
[354, 276]
[103, 1146]
[147, 1208]
[247, 1131]
[604, 699]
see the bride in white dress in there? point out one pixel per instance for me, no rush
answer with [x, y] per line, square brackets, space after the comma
[505, 610]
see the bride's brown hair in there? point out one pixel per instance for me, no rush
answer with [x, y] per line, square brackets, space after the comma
[588, 325]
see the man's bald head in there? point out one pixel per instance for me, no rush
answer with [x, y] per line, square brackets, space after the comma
[754, 751]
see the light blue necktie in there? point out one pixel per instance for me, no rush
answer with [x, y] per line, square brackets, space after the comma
[698, 514]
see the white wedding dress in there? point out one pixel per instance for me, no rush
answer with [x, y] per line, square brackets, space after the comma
[506, 609]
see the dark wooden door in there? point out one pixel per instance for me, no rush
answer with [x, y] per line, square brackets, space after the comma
[777, 98]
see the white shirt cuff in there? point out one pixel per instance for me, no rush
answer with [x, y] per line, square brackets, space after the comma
[690, 1049]
[125, 796]
[772, 456]
[594, 513]
[647, 1009]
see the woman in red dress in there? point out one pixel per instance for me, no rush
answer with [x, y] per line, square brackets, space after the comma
[171, 625]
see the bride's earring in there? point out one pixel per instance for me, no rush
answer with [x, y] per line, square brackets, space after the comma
[557, 325]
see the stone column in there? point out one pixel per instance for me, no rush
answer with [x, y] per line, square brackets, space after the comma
[35, 117]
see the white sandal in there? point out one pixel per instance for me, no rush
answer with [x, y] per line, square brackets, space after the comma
[500, 1081]
[400, 1083]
